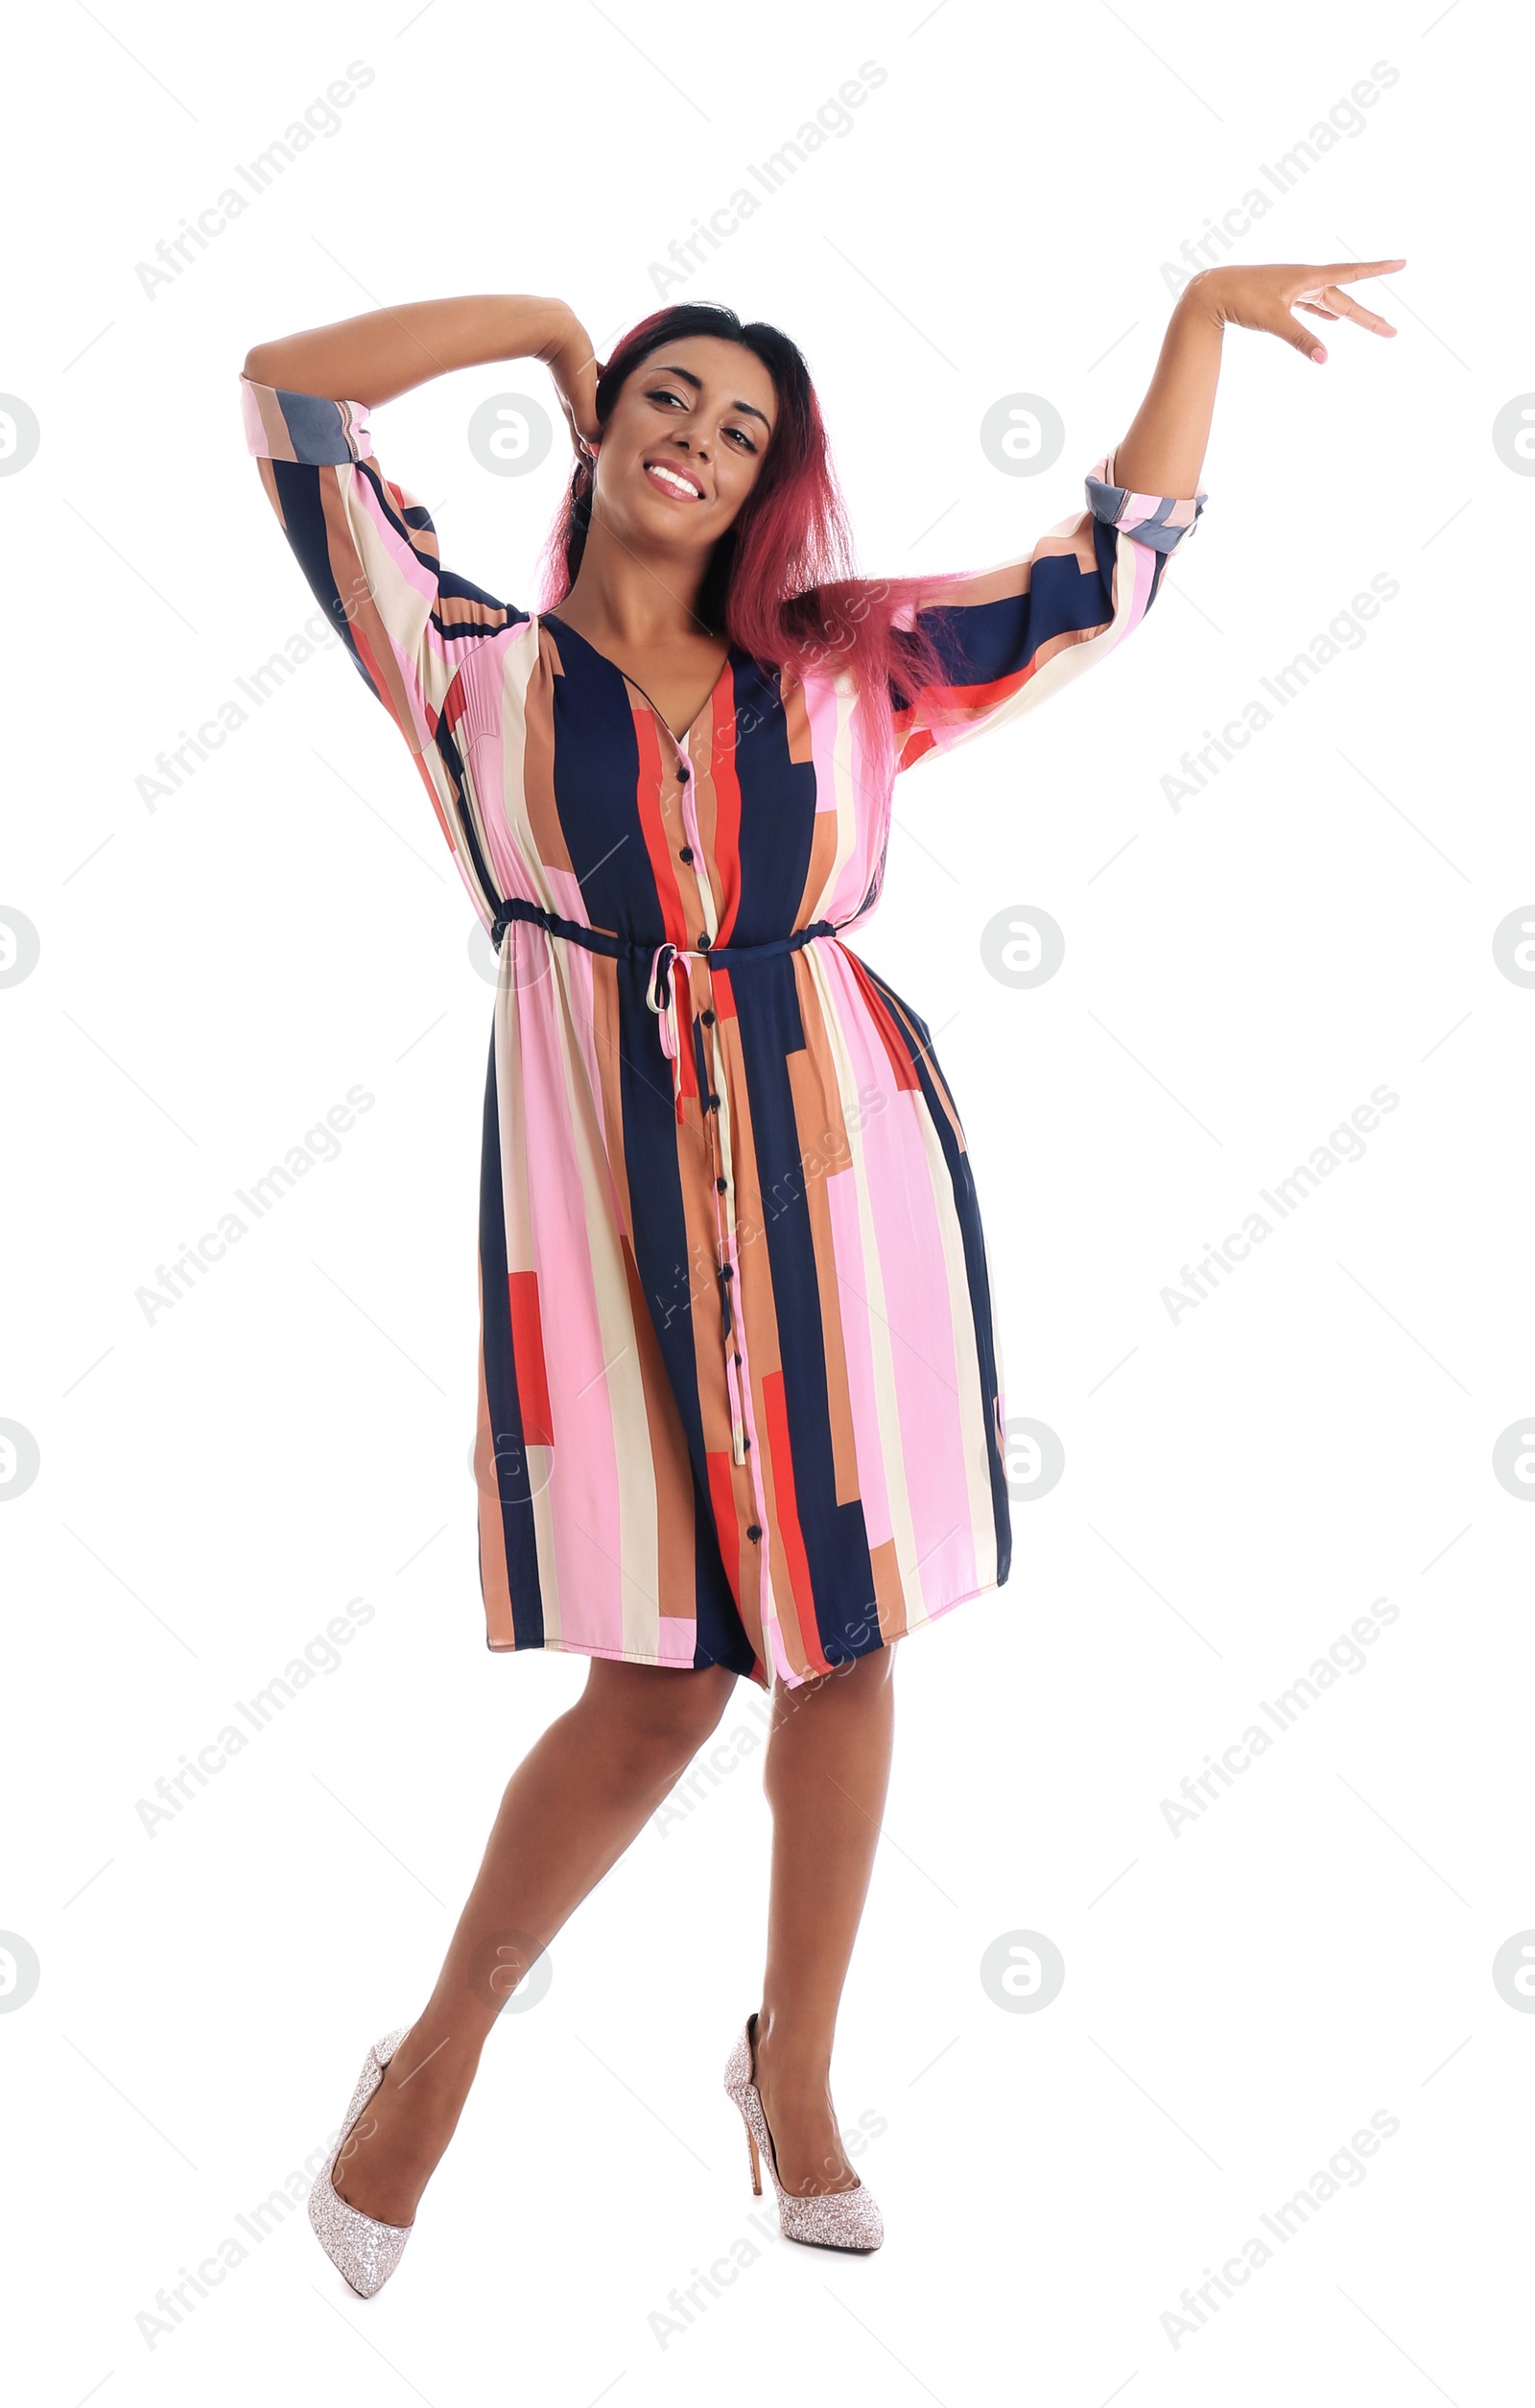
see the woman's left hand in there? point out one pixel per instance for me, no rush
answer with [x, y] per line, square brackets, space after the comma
[576, 372]
[1261, 297]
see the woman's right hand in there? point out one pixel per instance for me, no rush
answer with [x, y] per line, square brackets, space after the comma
[569, 360]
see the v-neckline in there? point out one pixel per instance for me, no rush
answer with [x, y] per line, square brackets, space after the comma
[552, 618]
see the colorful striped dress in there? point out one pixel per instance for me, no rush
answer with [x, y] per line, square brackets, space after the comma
[740, 1396]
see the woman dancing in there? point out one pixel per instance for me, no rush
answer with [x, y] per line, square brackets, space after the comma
[740, 1400]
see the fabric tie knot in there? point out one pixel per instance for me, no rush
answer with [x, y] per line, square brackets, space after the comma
[661, 995]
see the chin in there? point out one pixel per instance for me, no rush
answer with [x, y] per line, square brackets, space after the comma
[680, 534]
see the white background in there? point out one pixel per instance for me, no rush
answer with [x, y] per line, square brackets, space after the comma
[1239, 1485]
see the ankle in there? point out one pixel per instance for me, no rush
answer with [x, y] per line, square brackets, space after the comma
[793, 2061]
[431, 2064]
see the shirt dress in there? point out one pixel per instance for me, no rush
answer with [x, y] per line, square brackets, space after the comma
[741, 1394]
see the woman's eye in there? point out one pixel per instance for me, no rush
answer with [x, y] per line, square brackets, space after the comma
[663, 393]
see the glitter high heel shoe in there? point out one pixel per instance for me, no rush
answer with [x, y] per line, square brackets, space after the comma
[361, 2248]
[828, 2219]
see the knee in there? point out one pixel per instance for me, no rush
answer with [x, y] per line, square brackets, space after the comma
[658, 1721]
[869, 1674]
[860, 1678]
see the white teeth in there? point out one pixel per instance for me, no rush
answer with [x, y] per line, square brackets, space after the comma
[678, 485]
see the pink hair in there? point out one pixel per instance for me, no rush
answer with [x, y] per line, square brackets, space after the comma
[781, 582]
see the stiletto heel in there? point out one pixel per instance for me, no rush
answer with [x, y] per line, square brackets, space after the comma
[828, 2219]
[364, 2251]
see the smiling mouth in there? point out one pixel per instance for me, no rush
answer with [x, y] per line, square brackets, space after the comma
[673, 480]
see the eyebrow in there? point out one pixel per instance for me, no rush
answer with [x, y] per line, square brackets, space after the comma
[696, 382]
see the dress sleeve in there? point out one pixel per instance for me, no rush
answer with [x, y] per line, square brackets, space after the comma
[1012, 636]
[368, 550]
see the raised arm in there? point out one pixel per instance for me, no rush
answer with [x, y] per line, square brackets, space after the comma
[1165, 448]
[366, 545]
[387, 351]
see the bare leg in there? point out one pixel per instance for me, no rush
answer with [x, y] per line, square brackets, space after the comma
[576, 1800]
[826, 1774]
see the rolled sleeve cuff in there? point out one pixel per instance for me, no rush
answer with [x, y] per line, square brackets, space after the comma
[1153, 519]
[303, 427]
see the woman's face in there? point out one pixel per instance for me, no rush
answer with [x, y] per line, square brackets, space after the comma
[685, 443]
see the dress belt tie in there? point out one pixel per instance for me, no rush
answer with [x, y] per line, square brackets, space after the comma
[660, 992]
[670, 967]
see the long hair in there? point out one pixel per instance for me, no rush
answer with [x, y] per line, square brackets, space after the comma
[781, 582]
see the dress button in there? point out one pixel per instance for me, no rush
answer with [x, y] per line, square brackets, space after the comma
[703, 944]
[684, 773]
[686, 854]
[737, 1363]
[728, 1270]
[753, 1530]
[721, 1185]
[707, 1018]
[713, 1103]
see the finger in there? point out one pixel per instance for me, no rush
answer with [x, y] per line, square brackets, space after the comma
[1290, 330]
[580, 420]
[1350, 271]
[1357, 312]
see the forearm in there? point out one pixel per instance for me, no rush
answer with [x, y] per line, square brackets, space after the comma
[1165, 448]
[387, 351]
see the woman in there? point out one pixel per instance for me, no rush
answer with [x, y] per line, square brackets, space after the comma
[740, 1401]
